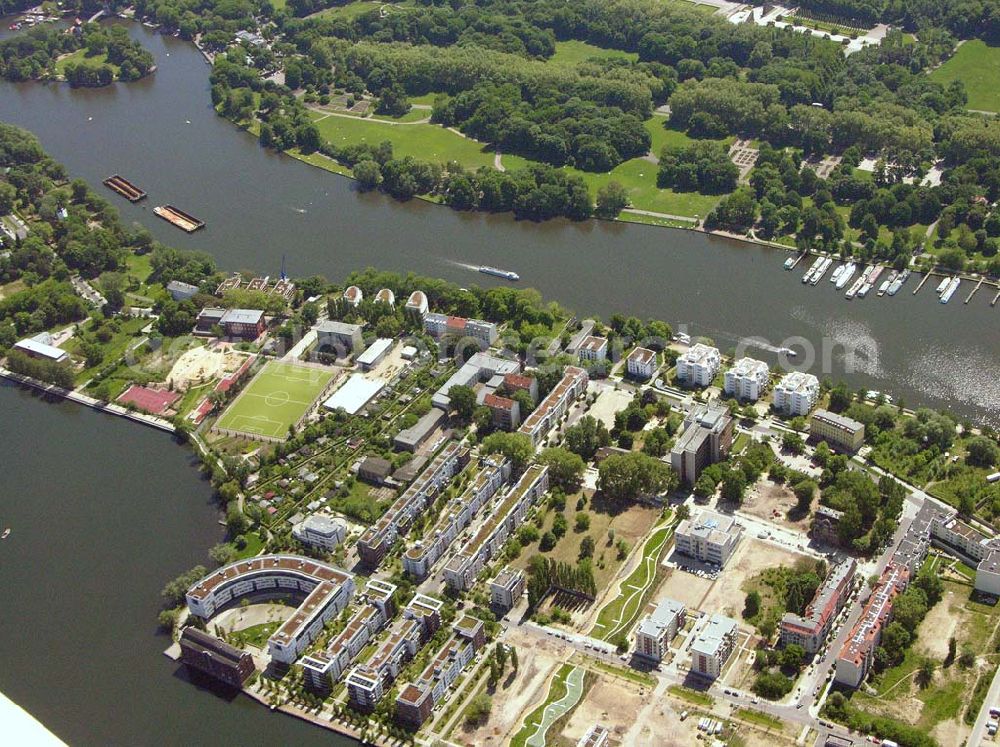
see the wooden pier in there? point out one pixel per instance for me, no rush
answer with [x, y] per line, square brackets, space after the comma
[995, 298]
[797, 260]
[179, 218]
[922, 281]
[124, 187]
[969, 297]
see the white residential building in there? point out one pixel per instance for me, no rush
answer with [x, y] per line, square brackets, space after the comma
[747, 379]
[658, 628]
[544, 417]
[318, 530]
[698, 365]
[708, 536]
[713, 646]
[593, 349]
[641, 363]
[417, 302]
[796, 393]
[354, 296]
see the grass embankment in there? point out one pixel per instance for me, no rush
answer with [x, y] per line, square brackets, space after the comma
[558, 690]
[691, 696]
[977, 65]
[618, 616]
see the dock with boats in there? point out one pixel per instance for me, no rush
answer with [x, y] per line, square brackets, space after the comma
[179, 218]
[124, 187]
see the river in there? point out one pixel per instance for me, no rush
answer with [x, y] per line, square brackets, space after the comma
[105, 511]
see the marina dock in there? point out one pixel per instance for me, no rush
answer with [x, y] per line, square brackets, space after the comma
[921, 284]
[179, 218]
[969, 297]
[995, 299]
[124, 187]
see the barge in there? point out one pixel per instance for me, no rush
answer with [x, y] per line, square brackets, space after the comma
[179, 218]
[124, 187]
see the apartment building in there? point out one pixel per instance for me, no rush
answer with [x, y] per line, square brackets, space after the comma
[858, 653]
[839, 432]
[368, 683]
[320, 531]
[456, 516]
[439, 326]
[708, 536]
[811, 629]
[461, 571]
[506, 588]
[796, 393]
[706, 439]
[505, 412]
[417, 303]
[747, 380]
[593, 349]
[698, 365]
[515, 382]
[641, 364]
[375, 542]
[657, 629]
[713, 645]
[353, 296]
[544, 417]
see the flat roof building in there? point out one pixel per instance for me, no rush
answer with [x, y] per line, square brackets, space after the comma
[838, 431]
[34, 348]
[811, 629]
[708, 536]
[441, 325]
[713, 645]
[181, 291]
[247, 324]
[706, 439]
[698, 365]
[480, 367]
[354, 394]
[506, 588]
[657, 629]
[796, 393]
[338, 338]
[747, 380]
[375, 470]
[320, 531]
[374, 353]
[412, 438]
[544, 417]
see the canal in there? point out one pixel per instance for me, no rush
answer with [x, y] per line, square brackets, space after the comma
[104, 511]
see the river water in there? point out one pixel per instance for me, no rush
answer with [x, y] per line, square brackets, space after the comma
[105, 511]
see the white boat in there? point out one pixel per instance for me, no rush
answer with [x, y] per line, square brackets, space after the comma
[942, 285]
[865, 289]
[505, 274]
[886, 283]
[849, 269]
[812, 270]
[855, 287]
[836, 273]
[824, 266]
[898, 282]
[789, 263]
[6, 534]
[950, 290]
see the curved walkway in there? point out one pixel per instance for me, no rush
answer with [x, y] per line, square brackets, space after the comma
[554, 711]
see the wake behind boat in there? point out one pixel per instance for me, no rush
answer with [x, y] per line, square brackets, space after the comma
[505, 274]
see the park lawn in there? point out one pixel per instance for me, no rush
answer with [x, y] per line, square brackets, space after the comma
[80, 57]
[573, 52]
[424, 142]
[140, 266]
[638, 176]
[977, 65]
[254, 545]
[257, 635]
[277, 398]
[348, 11]
[618, 615]
[426, 99]
[652, 220]
[693, 5]
[414, 115]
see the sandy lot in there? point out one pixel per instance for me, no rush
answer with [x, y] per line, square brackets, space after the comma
[389, 366]
[938, 626]
[513, 700]
[608, 403]
[615, 705]
[202, 364]
[771, 502]
[724, 594]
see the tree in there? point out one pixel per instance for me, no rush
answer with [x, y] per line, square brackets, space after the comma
[587, 547]
[612, 198]
[793, 656]
[925, 674]
[734, 484]
[582, 522]
[967, 658]
[368, 174]
[751, 605]
[547, 542]
[513, 658]
[792, 442]
[515, 446]
[478, 710]
[565, 467]
[463, 400]
[805, 491]
[981, 452]
[634, 475]
[683, 512]
[586, 437]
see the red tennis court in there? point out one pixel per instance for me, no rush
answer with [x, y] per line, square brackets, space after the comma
[154, 401]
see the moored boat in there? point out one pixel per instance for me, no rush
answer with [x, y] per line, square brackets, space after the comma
[849, 269]
[950, 290]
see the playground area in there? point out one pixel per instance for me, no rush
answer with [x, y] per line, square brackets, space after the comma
[278, 397]
[202, 364]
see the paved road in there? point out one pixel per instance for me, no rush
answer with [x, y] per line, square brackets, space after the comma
[991, 699]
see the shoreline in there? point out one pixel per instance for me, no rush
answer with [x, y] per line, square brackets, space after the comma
[330, 725]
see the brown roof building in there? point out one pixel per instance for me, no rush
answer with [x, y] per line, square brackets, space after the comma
[215, 657]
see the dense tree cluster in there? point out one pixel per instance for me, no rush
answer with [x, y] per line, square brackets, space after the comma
[548, 574]
[701, 167]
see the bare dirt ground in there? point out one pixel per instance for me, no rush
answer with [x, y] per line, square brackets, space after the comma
[608, 403]
[952, 731]
[938, 626]
[610, 703]
[202, 364]
[389, 366]
[771, 502]
[725, 593]
[538, 661]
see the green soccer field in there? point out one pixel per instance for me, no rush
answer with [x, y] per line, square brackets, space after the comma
[276, 398]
